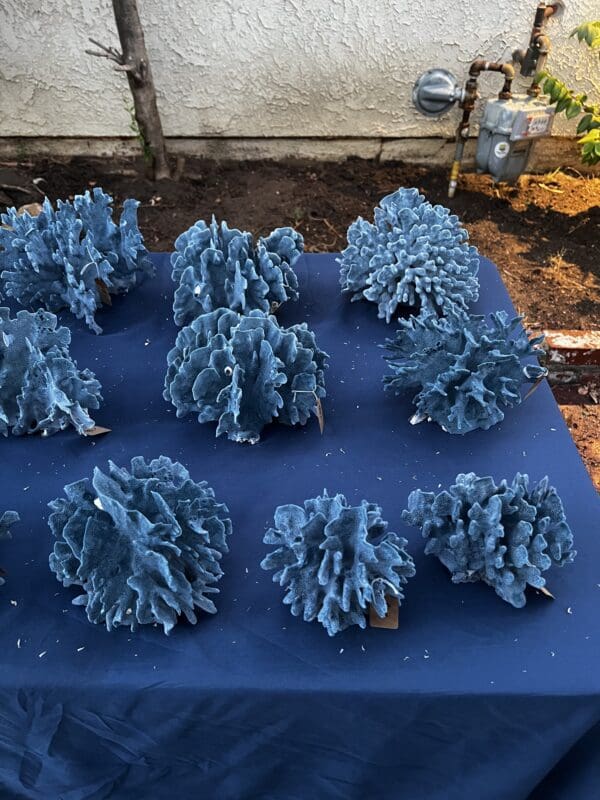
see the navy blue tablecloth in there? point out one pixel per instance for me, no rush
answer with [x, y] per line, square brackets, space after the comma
[469, 698]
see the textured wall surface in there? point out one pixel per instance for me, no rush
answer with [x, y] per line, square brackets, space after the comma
[262, 67]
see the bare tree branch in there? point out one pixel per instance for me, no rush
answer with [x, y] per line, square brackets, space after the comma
[107, 52]
[134, 62]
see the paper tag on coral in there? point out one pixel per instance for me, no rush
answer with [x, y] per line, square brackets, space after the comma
[97, 430]
[540, 590]
[538, 381]
[391, 618]
[103, 292]
[320, 415]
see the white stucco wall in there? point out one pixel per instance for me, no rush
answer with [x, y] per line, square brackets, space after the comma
[263, 67]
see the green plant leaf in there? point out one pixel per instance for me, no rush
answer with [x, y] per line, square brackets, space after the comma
[563, 102]
[588, 32]
[591, 136]
[584, 123]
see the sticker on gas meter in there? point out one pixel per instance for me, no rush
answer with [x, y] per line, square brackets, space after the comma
[537, 125]
[501, 149]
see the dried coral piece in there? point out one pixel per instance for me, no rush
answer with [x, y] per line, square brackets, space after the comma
[6, 520]
[220, 267]
[334, 560]
[245, 372]
[144, 545]
[41, 388]
[505, 535]
[73, 257]
[465, 371]
[414, 256]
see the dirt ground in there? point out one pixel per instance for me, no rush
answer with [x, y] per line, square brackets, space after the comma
[544, 233]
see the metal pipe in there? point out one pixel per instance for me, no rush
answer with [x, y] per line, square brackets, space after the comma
[468, 104]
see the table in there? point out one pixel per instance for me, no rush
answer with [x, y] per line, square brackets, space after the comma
[469, 698]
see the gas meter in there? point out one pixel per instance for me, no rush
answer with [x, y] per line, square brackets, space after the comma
[507, 132]
[511, 124]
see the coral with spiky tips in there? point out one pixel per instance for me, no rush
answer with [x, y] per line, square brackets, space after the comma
[465, 370]
[334, 560]
[415, 256]
[6, 520]
[144, 545]
[41, 388]
[73, 257]
[505, 535]
[244, 372]
[220, 267]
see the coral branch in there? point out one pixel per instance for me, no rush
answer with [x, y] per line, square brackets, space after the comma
[145, 546]
[335, 560]
[41, 388]
[465, 370]
[220, 267]
[244, 372]
[62, 259]
[414, 256]
[505, 535]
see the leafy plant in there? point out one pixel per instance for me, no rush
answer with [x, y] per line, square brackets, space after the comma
[576, 104]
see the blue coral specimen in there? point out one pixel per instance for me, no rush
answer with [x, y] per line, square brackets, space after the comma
[73, 257]
[41, 388]
[335, 560]
[505, 535]
[220, 267]
[244, 372]
[145, 546]
[464, 370]
[6, 520]
[415, 255]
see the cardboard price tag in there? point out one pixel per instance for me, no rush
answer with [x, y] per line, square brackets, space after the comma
[320, 414]
[97, 430]
[543, 591]
[390, 620]
[105, 297]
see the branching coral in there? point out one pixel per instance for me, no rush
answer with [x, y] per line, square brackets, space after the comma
[334, 560]
[41, 388]
[220, 267]
[6, 520]
[505, 535]
[73, 257]
[464, 369]
[245, 372]
[145, 546]
[415, 255]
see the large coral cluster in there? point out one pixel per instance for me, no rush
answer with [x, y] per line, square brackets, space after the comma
[506, 535]
[7, 519]
[334, 560]
[41, 388]
[144, 545]
[464, 370]
[220, 267]
[415, 256]
[244, 372]
[73, 257]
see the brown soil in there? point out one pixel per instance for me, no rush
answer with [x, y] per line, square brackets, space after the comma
[543, 234]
